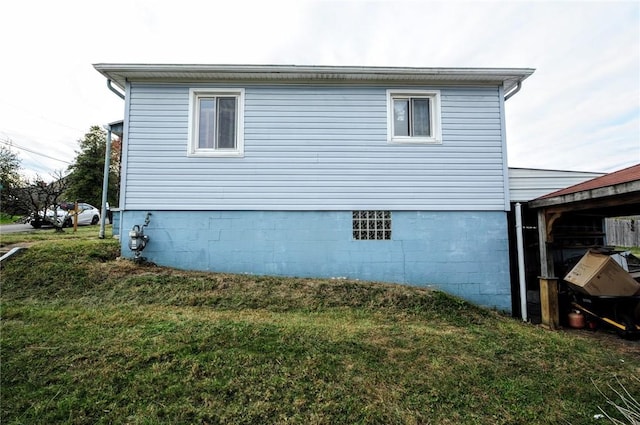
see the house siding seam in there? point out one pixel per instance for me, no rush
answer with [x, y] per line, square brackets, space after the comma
[316, 148]
[461, 252]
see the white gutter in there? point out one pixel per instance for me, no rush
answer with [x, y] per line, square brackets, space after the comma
[514, 91]
[11, 253]
[113, 89]
[521, 269]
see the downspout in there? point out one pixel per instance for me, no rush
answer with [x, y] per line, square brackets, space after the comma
[120, 95]
[519, 239]
[514, 91]
[521, 270]
[107, 164]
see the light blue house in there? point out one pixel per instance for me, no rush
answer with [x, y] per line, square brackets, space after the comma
[385, 174]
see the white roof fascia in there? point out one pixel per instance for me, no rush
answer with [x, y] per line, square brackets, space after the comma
[120, 73]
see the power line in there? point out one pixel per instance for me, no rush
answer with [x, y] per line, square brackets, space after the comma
[40, 116]
[10, 143]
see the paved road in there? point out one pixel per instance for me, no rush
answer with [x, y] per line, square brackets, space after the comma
[15, 228]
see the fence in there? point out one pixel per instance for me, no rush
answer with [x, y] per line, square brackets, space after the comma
[623, 231]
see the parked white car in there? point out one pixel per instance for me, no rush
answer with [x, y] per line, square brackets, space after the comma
[87, 215]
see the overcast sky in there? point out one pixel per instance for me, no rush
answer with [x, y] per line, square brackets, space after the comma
[579, 111]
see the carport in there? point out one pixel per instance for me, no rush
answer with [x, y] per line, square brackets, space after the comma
[568, 226]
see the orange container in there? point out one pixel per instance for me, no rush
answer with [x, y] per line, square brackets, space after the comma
[576, 319]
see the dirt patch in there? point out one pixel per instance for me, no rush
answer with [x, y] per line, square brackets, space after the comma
[7, 248]
[610, 339]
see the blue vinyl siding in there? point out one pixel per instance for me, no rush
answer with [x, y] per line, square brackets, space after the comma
[316, 148]
[463, 253]
[526, 184]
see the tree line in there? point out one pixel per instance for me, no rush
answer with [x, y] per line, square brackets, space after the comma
[81, 181]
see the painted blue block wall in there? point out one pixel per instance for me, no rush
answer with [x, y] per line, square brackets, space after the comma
[115, 228]
[463, 253]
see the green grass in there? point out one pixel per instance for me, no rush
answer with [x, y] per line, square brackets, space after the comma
[635, 250]
[88, 339]
[8, 219]
[50, 234]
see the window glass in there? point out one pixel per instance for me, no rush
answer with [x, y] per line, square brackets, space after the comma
[420, 117]
[226, 123]
[401, 117]
[371, 225]
[413, 116]
[206, 123]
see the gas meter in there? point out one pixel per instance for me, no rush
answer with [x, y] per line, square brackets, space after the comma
[137, 239]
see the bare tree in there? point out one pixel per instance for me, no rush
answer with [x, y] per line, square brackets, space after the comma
[38, 197]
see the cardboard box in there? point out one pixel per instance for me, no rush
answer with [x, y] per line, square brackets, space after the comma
[599, 274]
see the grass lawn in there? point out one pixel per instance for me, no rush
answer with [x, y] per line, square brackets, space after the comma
[88, 339]
[8, 219]
[634, 250]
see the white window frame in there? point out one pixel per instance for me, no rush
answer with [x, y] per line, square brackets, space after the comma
[193, 148]
[434, 116]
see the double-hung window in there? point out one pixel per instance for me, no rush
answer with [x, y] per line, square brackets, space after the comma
[413, 116]
[216, 122]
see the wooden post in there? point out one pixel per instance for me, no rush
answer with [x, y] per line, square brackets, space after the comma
[548, 282]
[75, 217]
[549, 302]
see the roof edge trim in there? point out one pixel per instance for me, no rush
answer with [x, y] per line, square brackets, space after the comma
[119, 73]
